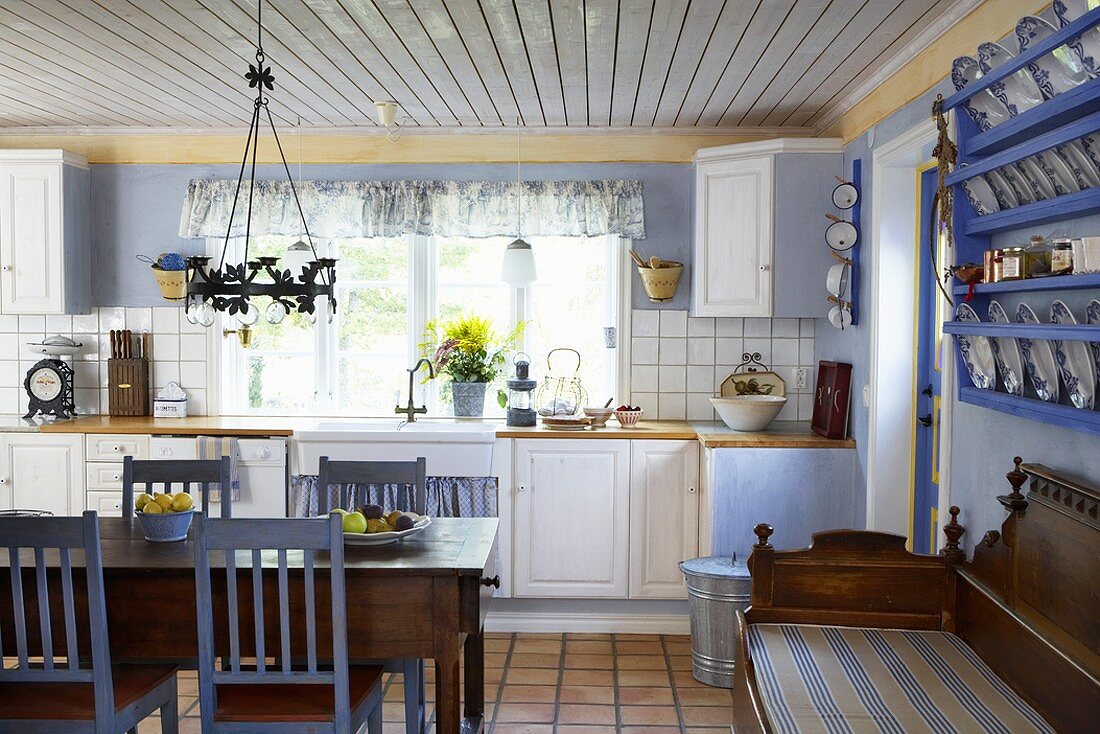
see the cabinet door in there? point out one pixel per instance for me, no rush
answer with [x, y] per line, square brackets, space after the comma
[733, 237]
[31, 231]
[42, 472]
[571, 517]
[664, 516]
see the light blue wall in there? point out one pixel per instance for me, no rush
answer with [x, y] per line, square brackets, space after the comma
[136, 209]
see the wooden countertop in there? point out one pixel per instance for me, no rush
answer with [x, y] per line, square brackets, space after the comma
[780, 435]
[667, 430]
[198, 425]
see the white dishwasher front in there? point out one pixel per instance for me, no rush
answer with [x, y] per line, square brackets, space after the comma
[262, 470]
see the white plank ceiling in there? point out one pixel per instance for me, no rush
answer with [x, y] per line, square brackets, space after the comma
[469, 63]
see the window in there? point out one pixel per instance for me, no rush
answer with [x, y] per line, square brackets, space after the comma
[389, 289]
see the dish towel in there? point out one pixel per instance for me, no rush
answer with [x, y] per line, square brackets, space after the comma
[215, 447]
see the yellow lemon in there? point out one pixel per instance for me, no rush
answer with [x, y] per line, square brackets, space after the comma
[164, 500]
[153, 508]
[181, 502]
[142, 500]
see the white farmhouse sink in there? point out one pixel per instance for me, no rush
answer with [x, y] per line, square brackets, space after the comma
[452, 449]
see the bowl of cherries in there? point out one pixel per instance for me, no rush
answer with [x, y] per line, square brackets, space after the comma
[628, 416]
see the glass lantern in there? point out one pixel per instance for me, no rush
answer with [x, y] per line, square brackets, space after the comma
[521, 388]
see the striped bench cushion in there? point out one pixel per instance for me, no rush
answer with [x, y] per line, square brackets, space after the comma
[845, 679]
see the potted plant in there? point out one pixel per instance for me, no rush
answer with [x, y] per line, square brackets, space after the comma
[470, 352]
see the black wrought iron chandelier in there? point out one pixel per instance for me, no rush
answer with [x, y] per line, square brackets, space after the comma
[229, 288]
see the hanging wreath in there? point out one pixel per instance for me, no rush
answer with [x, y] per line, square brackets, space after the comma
[946, 154]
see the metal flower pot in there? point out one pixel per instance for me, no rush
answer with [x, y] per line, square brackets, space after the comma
[469, 398]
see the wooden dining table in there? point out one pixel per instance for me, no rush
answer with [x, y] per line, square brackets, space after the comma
[424, 597]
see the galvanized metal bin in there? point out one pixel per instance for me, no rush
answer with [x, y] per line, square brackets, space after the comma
[718, 586]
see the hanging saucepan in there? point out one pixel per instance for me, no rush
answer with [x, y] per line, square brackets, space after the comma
[845, 195]
[840, 235]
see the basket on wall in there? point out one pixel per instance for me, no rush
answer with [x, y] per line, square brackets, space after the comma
[660, 283]
[173, 283]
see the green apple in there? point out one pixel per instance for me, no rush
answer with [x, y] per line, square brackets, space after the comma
[355, 522]
[342, 512]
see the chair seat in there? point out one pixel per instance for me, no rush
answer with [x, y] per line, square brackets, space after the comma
[274, 702]
[76, 701]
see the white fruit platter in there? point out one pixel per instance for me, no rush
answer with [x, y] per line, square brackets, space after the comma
[390, 536]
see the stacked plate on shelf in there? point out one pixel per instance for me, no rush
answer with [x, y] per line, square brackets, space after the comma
[1059, 170]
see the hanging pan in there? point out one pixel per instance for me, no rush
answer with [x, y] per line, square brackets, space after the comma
[840, 235]
[845, 195]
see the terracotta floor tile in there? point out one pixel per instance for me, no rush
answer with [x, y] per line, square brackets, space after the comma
[588, 636]
[684, 679]
[707, 696]
[494, 675]
[707, 715]
[677, 638]
[597, 647]
[587, 694]
[707, 729]
[526, 713]
[652, 730]
[574, 713]
[538, 636]
[189, 725]
[533, 676]
[498, 635]
[583, 661]
[677, 647]
[649, 715]
[588, 678]
[643, 678]
[535, 660]
[637, 638]
[550, 646]
[529, 694]
[585, 729]
[641, 662]
[680, 662]
[635, 647]
[642, 696]
[506, 728]
[492, 660]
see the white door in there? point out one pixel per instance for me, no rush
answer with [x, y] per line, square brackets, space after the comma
[31, 275]
[664, 516]
[571, 509]
[733, 237]
[42, 471]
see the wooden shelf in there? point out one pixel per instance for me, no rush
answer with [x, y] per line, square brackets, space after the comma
[1033, 285]
[1069, 206]
[1050, 115]
[1064, 416]
[1061, 332]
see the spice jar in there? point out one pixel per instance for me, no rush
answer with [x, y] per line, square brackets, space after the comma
[1061, 257]
[1013, 261]
[1037, 258]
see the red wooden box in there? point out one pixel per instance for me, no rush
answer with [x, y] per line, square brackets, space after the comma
[831, 399]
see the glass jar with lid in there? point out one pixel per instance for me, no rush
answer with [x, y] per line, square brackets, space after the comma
[1061, 258]
[1013, 263]
[1037, 257]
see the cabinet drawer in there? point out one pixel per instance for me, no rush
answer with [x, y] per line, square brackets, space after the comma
[163, 447]
[265, 451]
[112, 447]
[107, 504]
[105, 476]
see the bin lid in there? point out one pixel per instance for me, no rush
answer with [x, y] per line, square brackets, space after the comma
[716, 567]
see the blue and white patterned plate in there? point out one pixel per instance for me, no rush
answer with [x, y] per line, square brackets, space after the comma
[1074, 361]
[1057, 171]
[1041, 182]
[1002, 189]
[1018, 93]
[1059, 71]
[985, 109]
[977, 353]
[1038, 358]
[1087, 45]
[1020, 185]
[1092, 316]
[981, 195]
[1007, 353]
[1078, 161]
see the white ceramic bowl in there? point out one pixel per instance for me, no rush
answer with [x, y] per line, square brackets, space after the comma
[599, 416]
[628, 418]
[748, 412]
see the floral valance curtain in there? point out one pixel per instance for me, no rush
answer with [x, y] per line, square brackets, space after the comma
[392, 208]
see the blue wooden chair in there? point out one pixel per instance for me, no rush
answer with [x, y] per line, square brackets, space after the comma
[353, 477]
[62, 693]
[188, 472]
[279, 699]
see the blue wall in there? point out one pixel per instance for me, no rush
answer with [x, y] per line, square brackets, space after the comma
[137, 210]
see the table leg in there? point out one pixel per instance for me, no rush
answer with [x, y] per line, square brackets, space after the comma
[447, 695]
[474, 667]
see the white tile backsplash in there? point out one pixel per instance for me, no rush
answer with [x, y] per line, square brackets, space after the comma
[673, 377]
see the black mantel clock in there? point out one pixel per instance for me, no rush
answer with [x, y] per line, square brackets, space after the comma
[49, 385]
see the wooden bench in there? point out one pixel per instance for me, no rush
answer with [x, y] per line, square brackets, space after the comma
[856, 629]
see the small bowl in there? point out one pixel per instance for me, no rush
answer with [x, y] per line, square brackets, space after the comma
[748, 412]
[167, 527]
[628, 418]
[599, 416]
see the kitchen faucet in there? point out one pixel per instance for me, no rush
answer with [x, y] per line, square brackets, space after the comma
[411, 410]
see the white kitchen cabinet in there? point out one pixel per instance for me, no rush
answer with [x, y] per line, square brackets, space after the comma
[42, 471]
[45, 233]
[758, 248]
[664, 516]
[572, 510]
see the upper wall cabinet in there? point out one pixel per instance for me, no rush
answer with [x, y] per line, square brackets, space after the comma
[759, 248]
[45, 233]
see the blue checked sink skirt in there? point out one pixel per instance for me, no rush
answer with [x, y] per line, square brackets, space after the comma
[445, 496]
[846, 679]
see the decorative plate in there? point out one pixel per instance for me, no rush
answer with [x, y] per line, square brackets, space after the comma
[981, 195]
[1091, 145]
[1058, 172]
[1002, 189]
[753, 383]
[1075, 361]
[985, 109]
[1025, 194]
[1018, 92]
[977, 353]
[386, 538]
[1059, 71]
[1007, 352]
[1092, 316]
[1087, 45]
[1038, 358]
[1041, 183]
[1079, 162]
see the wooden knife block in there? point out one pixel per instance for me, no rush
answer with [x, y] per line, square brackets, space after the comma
[128, 386]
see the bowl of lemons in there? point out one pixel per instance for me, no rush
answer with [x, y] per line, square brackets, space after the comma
[165, 518]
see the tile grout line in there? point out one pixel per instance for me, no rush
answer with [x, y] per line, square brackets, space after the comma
[672, 682]
[500, 685]
[557, 688]
[615, 683]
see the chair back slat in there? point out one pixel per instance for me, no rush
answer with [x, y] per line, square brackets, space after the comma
[44, 627]
[18, 606]
[354, 476]
[231, 596]
[342, 717]
[187, 473]
[258, 608]
[311, 612]
[284, 611]
[69, 606]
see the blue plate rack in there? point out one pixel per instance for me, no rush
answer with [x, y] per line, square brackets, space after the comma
[1066, 117]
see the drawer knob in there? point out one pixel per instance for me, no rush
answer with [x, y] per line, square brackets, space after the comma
[3, 480]
[116, 477]
[116, 449]
[522, 488]
[494, 582]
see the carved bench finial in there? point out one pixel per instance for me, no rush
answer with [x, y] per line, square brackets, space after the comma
[1015, 501]
[763, 532]
[953, 530]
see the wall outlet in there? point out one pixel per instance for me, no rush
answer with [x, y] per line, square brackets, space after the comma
[801, 375]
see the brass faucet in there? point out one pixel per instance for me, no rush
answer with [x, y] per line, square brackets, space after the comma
[410, 410]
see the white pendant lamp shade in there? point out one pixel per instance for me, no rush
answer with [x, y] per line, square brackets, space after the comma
[296, 257]
[519, 268]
